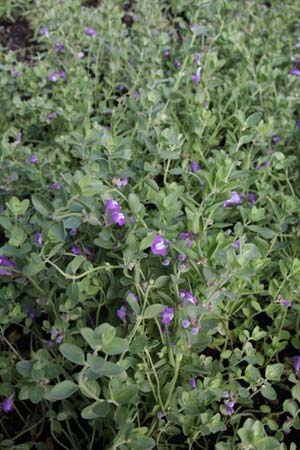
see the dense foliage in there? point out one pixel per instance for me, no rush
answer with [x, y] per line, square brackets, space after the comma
[149, 225]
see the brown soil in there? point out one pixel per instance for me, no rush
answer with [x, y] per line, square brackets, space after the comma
[18, 37]
[92, 3]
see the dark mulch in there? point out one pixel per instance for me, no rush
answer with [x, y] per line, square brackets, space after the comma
[92, 3]
[17, 36]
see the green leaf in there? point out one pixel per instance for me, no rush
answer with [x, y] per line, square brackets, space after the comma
[115, 347]
[134, 204]
[18, 236]
[142, 443]
[133, 303]
[72, 353]
[274, 372]
[43, 206]
[57, 232]
[253, 119]
[106, 332]
[90, 388]
[62, 390]
[268, 392]
[90, 337]
[147, 241]
[296, 391]
[95, 410]
[126, 394]
[103, 368]
[267, 443]
[153, 310]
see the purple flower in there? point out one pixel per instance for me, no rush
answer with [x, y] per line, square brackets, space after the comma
[118, 217]
[159, 245]
[121, 313]
[193, 383]
[230, 407]
[135, 95]
[33, 159]
[181, 257]
[51, 116]
[167, 53]
[32, 313]
[185, 323]
[80, 55]
[38, 238]
[90, 31]
[188, 243]
[63, 73]
[44, 31]
[195, 166]
[53, 76]
[5, 262]
[73, 231]
[14, 73]
[296, 362]
[252, 198]
[195, 329]
[236, 199]
[76, 250]
[187, 297]
[295, 60]
[295, 71]
[167, 315]
[276, 139]
[297, 123]
[112, 206]
[166, 262]
[196, 78]
[58, 47]
[236, 244]
[184, 235]
[87, 251]
[120, 182]
[177, 64]
[7, 405]
[285, 302]
[55, 186]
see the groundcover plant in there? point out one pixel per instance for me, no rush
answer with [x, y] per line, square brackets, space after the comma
[149, 225]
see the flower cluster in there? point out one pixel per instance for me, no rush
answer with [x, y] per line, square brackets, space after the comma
[113, 213]
[187, 297]
[5, 262]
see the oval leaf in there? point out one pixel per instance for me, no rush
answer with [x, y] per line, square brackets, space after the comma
[62, 390]
[153, 310]
[72, 353]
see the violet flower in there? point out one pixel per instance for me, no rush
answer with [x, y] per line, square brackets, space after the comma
[55, 186]
[44, 31]
[296, 363]
[177, 64]
[252, 198]
[295, 72]
[120, 182]
[187, 297]
[196, 78]
[80, 55]
[53, 77]
[59, 47]
[236, 244]
[38, 238]
[14, 73]
[297, 123]
[159, 245]
[166, 262]
[236, 199]
[121, 313]
[285, 302]
[195, 166]
[185, 323]
[276, 139]
[112, 206]
[63, 74]
[7, 405]
[76, 250]
[51, 116]
[73, 231]
[230, 407]
[5, 262]
[33, 159]
[90, 31]
[193, 383]
[167, 53]
[167, 315]
[118, 218]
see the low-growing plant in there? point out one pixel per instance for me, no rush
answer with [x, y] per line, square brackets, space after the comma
[149, 226]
